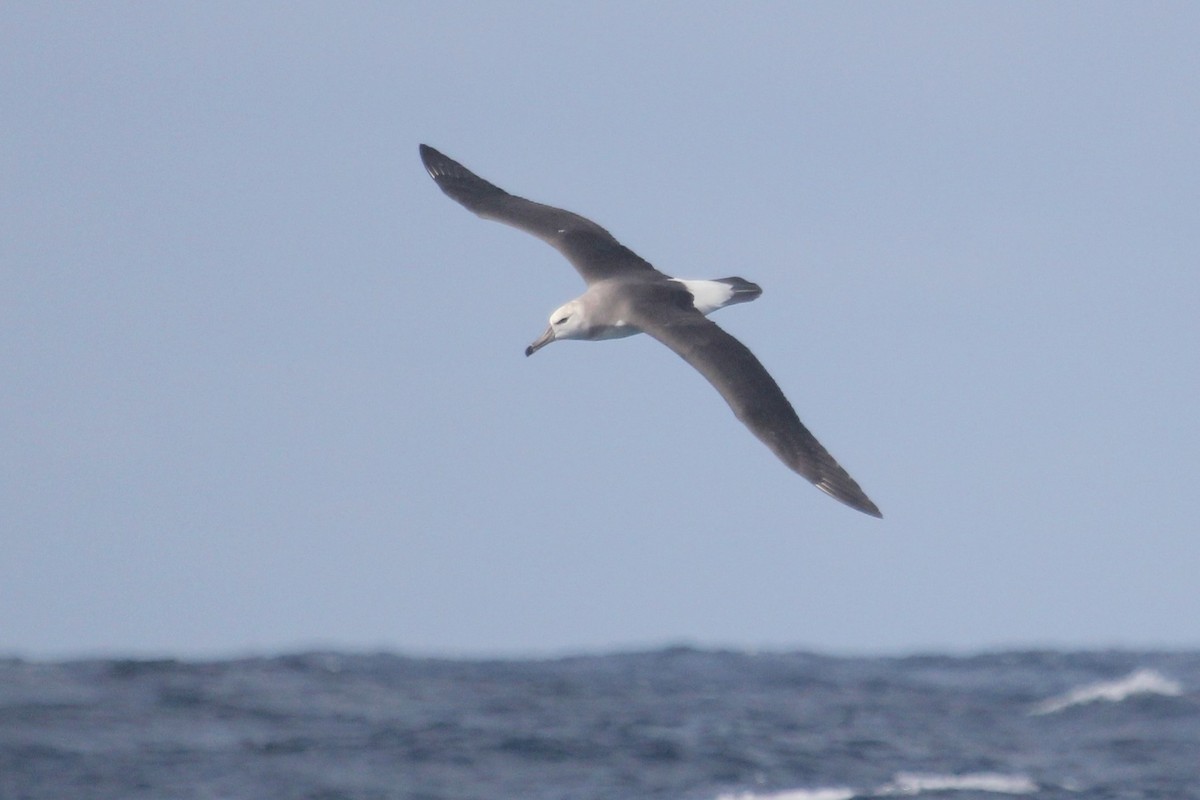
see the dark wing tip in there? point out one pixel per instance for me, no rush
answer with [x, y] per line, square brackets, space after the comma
[427, 154]
[460, 183]
[848, 492]
[832, 479]
[436, 163]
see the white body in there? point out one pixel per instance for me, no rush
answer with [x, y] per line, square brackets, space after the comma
[573, 321]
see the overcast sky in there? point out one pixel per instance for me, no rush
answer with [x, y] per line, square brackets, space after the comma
[262, 384]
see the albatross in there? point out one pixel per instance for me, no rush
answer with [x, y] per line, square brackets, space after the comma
[626, 296]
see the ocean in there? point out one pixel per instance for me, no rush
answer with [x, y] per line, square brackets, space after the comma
[677, 723]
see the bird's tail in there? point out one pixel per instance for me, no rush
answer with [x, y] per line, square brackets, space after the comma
[743, 290]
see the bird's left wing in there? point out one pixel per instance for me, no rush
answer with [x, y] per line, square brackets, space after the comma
[751, 392]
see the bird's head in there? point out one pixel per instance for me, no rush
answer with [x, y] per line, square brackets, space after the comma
[567, 322]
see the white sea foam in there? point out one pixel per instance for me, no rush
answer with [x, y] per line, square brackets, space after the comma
[795, 794]
[907, 784]
[911, 783]
[1142, 681]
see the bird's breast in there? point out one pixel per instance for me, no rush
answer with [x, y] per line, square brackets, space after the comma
[617, 330]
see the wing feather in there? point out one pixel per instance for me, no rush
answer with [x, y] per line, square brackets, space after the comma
[593, 251]
[754, 396]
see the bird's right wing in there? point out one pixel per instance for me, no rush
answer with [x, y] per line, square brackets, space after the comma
[593, 251]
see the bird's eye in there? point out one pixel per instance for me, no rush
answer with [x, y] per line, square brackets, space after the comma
[561, 321]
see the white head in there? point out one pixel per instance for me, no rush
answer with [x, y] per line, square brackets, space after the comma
[567, 322]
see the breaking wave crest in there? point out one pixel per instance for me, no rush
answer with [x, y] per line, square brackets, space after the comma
[908, 784]
[911, 784]
[1139, 682]
[795, 794]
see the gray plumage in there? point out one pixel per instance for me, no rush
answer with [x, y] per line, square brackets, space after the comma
[626, 295]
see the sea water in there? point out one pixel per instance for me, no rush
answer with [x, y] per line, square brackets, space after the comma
[679, 723]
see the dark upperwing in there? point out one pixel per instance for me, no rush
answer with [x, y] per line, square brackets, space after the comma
[593, 251]
[753, 395]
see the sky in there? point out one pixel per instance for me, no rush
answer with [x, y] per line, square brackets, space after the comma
[262, 385]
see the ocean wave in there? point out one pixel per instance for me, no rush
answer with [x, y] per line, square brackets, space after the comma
[795, 794]
[907, 784]
[910, 784]
[1139, 682]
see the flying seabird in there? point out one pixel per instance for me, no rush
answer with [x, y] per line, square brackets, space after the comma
[626, 295]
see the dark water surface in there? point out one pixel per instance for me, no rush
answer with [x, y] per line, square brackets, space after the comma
[677, 723]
